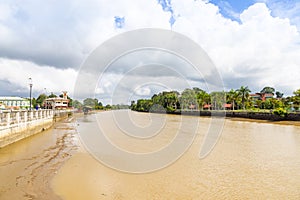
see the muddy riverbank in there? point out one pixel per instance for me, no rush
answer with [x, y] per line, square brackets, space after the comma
[28, 166]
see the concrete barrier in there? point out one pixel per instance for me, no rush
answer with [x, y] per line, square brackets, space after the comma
[17, 125]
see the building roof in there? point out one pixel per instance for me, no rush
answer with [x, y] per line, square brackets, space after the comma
[207, 106]
[56, 99]
[227, 105]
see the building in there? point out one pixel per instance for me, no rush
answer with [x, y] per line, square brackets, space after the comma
[261, 96]
[57, 102]
[14, 103]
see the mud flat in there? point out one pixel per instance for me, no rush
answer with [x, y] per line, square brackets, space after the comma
[28, 166]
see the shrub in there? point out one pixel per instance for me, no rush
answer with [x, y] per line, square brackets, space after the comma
[280, 112]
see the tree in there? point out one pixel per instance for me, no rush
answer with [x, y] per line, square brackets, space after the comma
[202, 97]
[52, 95]
[279, 95]
[267, 89]
[218, 99]
[90, 102]
[188, 97]
[40, 100]
[108, 107]
[77, 104]
[34, 104]
[244, 94]
[232, 96]
[296, 99]
[168, 100]
[144, 104]
[133, 105]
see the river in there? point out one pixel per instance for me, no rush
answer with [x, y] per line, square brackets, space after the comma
[251, 159]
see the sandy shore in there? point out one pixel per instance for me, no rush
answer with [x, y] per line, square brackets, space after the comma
[28, 166]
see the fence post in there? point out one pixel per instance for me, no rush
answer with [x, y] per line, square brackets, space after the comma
[31, 115]
[8, 119]
[25, 116]
[18, 117]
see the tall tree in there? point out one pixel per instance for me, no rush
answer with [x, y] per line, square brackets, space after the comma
[268, 89]
[232, 96]
[188, 97]
[77, 104]
[244, 94]
[52, 95]
[40, 100]
[296, 99]
[202, 98]
[279, 95]
[218, 99]
[90, 102]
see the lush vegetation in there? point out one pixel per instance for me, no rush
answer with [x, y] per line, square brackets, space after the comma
[239, 99]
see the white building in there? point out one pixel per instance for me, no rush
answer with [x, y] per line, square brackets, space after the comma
[57, 102]
[14, 102]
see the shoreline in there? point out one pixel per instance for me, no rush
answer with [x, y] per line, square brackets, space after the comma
[264, 116]
[31, 163]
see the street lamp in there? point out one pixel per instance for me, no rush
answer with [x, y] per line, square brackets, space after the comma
[30, 91]
[45, 102]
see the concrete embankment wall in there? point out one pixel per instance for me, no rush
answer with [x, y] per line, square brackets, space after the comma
[249, 115]
[19, 125]
[254, 115]
[23, 130]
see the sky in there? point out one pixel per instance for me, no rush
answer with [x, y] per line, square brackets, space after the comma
[253, 43]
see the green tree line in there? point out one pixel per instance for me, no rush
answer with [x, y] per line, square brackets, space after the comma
[198, 99]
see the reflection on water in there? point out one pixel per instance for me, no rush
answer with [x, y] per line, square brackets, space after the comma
[250, 161]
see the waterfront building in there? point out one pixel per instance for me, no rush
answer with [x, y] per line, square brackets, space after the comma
[14, 103]
[261, 96]
[57, 102]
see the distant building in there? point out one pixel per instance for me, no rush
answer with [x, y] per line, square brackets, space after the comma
[207, 107]
[14, 103]
[261, 96]
[227, 106]
[57, 102]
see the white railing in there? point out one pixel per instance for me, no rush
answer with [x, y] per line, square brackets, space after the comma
[15, 118]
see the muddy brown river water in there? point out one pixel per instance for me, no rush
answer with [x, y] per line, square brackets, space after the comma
[251, 160]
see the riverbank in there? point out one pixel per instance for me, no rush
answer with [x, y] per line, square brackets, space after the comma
[28, 166]
[256, 115]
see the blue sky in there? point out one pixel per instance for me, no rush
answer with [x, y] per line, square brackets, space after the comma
[279, 8]
[254, 43]
[227, 8]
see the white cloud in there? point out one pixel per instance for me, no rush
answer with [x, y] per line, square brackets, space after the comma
[262, 49]
[54, 80]
[143, 91]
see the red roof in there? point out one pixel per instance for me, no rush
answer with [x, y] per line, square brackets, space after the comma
[227, 105]
[207, 106]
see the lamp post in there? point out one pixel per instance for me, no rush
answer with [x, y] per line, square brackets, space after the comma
[30, 91]
[45, 102]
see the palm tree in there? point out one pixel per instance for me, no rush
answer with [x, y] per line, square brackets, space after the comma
[232, 96]
[244, 93]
